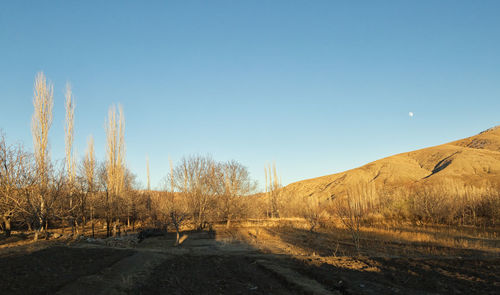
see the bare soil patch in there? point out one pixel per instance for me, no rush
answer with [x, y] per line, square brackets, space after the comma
[248, 260]
[364, 275]
[195, 274]
[47, 270]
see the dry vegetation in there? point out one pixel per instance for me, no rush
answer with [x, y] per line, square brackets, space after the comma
[279, 255]
[437, 202]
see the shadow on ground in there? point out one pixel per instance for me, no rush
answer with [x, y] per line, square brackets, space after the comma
[390, 267]
[242, 261]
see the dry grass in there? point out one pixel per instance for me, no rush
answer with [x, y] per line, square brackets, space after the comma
[453, 237]
[292, 236]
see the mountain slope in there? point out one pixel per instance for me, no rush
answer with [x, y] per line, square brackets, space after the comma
[471, 161]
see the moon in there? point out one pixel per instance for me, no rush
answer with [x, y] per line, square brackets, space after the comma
[410, 114]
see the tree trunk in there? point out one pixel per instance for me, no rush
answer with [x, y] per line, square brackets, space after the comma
[38, 231]
[108, 230]
[92, 220]
[39, 227]
[177, 234]
[200, 221]
[84, 217]
[46, 227]
[108, 215]
[83, 225]
[6, 221]
[76, 228]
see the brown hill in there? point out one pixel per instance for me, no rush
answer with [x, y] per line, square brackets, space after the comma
[473, 161]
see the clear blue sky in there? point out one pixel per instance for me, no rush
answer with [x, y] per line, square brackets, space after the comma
[317, 86]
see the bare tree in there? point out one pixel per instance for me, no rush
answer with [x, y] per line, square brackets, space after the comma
[353, 208]
[43, 102]
[177, 212]
[8, 177]
[88, 172]
[115, 163]
[15, 176]
[312, 210]
[130, 197]
[212, 191]
[236, 183]
[74, 208]
[68, 128]
[147, 171]
[272, 190]
[173, 205]
[192, 177]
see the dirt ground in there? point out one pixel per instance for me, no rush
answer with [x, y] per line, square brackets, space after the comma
[47, 270]
[219, 274]
[245, 260]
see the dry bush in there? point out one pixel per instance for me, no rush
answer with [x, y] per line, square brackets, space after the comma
[255, 206]
[313, 211]
[354, 206]
[444, 203]
[453, 204]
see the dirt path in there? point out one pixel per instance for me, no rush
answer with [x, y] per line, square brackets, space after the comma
[201, 265]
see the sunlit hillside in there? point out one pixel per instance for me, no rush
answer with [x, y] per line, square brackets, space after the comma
[469, 162]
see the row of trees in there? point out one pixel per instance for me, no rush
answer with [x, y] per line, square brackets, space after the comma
[199, 190]
[447, 203]
[203, 192]
[36, 192]
[35, 203]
